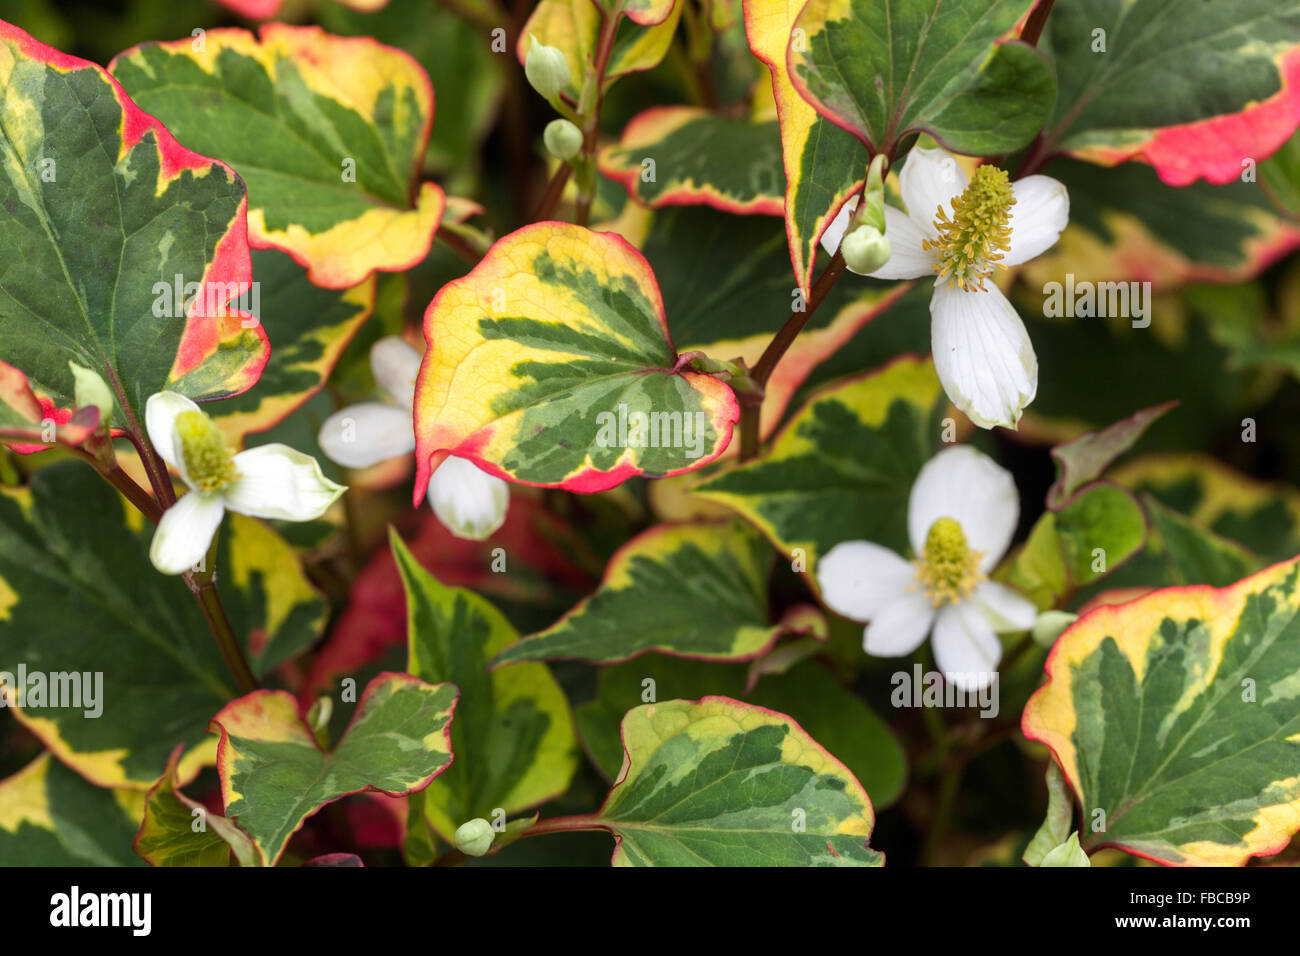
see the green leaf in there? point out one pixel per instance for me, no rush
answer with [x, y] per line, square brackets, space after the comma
[274, 775]
[178, 831]
[808, 692]
[49, 816]
[843, 467]
[824, 164]
[699, 157]
[309, 328]
[722, 783]
[71, 553]
[1176, 719]
[513, 736]
[882, 71]
[697, 590]
[328, 132]
[99, 204]
[1059, 820]
[550, 364]
[1195, 555]
[1190, 88]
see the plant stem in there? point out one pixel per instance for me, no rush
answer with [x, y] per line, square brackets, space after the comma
[203, 584]
[780, 344]
[1033, 28]
[458, 244]
[584, 821]
[589, 107]
[554, 192]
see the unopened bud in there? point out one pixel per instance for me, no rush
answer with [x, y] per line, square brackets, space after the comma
[89, 389]
[473, 838]
[865, 250]
[546, 68]
[563, 139]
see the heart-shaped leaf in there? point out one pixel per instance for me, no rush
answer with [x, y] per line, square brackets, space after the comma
[274, 774]
[550, 364]
[884, 70]
[718, 782]
[328, 132]
[1176, 720]
[103, 210]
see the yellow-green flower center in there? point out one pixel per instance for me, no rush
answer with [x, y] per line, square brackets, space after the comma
[203, 449]
[947, 567]
[971, 243]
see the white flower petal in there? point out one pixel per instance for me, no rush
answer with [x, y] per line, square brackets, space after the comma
[395, 366]
[277, 482]
[900, 627]
[834, 233]
[858, 578]
[361, 435]
[1004, 609]
[982, 354]
[467, 500]
[1040, 213]
[975, 491]
[930, 179]
[160, 413]
[185, 531]
[907, 259]
[965, 646]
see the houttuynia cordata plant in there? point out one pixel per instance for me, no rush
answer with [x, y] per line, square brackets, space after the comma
[702, 432]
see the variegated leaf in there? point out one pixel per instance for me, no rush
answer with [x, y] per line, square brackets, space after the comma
[550, 364]
[695, 590]
[100, 208]
[882, 71]
[154, 678]
[178, 831]
[856, 448]
[718, 782]
[1176, 719]
[1194, 89]
[824, 164]
[513, 735]
[274, 774]
[328, 132]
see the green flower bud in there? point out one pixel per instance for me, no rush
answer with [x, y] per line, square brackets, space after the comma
[1050, 625]
[473, 838]
[865, 249]
[546, 68]
[90, 389]
[1068, 853]
[563, 139]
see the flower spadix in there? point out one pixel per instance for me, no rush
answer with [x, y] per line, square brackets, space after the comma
[270, 481]
[468, 501]
[961, 230]
[961, 515]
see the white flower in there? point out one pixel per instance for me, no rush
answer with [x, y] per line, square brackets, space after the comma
[270, 481]
[964, 230]
[961, 515]
[467, 500]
